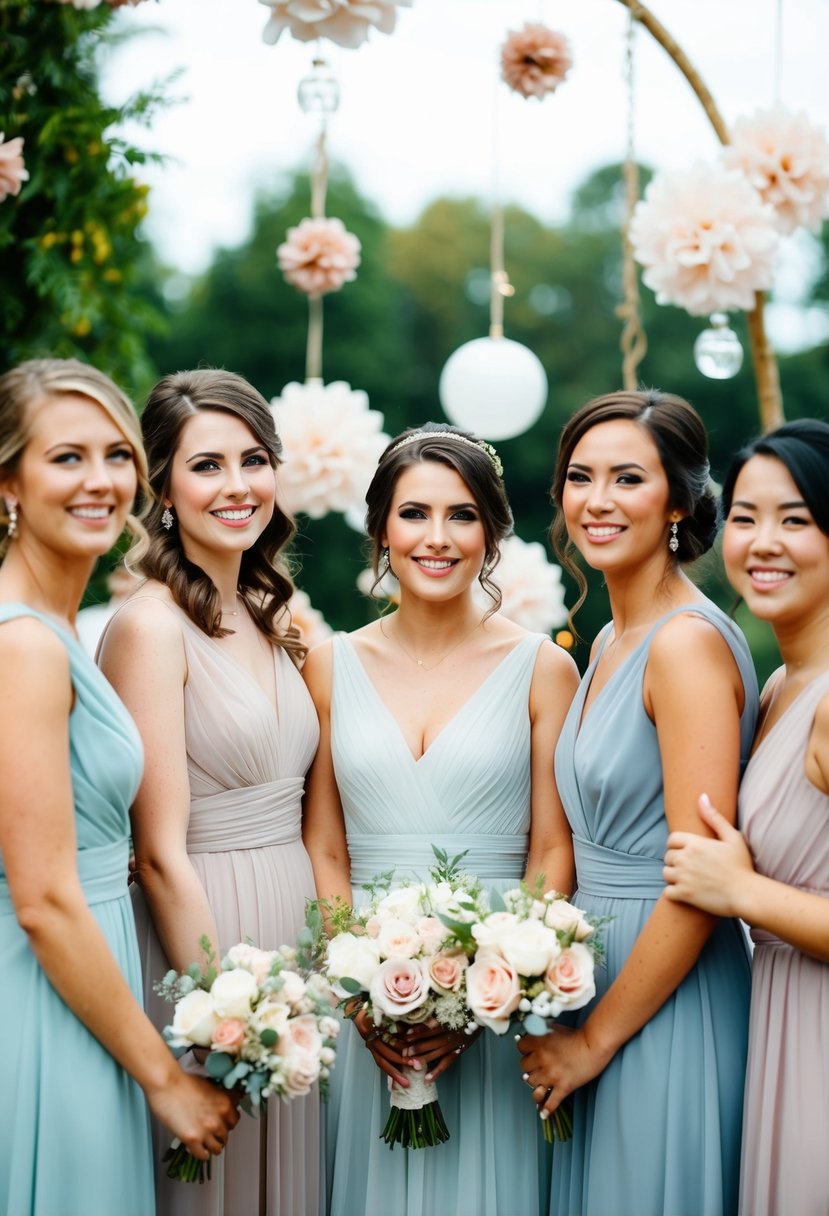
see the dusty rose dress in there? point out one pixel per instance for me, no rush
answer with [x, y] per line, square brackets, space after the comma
[247, 769]
[785, 819]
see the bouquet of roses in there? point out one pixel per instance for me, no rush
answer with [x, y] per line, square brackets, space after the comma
[533, 961]
[404, 958]
[266, 1022]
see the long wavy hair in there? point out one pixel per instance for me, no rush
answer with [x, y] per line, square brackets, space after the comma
[27, 387]
[264, 579]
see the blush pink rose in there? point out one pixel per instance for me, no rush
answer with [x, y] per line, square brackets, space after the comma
[431, 932]
[229, 1035]
[492, 990]
[399, 987]
[397, 939]
[446, 970]
[301, 1034]
[570, 978]
[302, 1068]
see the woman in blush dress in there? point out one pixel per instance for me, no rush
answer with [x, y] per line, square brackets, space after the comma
[205, 658]
[666, 709]
[776, 874]
[76, 1045]
[439, 723]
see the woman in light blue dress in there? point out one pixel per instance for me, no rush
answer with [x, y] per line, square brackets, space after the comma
[76, 1046]
[438, 728]
[666, 710]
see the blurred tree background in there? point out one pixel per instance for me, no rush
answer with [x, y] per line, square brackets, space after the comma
[80, 280]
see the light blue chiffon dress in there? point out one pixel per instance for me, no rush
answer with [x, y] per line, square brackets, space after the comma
[658, 1132]
[74, 1131]
[470, 790]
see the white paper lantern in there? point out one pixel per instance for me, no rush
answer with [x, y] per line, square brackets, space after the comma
[494, 387]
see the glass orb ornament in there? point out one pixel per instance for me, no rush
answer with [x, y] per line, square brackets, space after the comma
[717, 351]
[494, 387]
[319, 91]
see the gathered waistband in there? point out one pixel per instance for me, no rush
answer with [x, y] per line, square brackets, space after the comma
[411, 855]
[247, 817]
[607, 872]
[102, 871]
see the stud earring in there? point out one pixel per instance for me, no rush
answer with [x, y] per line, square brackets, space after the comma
[673, 542]
[167, 518]
[11, 530]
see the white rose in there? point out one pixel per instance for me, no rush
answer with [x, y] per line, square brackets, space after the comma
[566, 918]
[301, 1069]
[529, 947]
[355, 957]
[329, 1027]
[431, 932]
[233, 992]
[488, 932]
[293, 987]
[403, 903]
[397, 938]
[258, 962]
[447, 902]
[301, 1034]
[194, 1019]
[272, 1015]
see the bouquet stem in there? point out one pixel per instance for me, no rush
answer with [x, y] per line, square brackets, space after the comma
[559, 1126]
[415, 1119]
[182, 1166]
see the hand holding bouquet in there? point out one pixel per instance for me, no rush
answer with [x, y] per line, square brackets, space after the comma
[267, 1026]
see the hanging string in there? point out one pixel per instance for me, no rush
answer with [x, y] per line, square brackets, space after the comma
[778, 53]
[633, 341]
[500, 286]
[319, 190]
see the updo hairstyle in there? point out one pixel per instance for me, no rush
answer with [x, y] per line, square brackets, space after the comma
[803, 447]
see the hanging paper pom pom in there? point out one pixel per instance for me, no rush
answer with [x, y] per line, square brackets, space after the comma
[346, 22]
[13, 172]
[493, 386]
[310, 622]
[535, 60]
[705, 239]
[786, 159]
[332, 442]
[318, 256]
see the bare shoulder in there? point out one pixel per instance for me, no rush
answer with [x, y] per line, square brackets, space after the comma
[555, 664]
[687, 640]
[35, 663]
[145, 620]
[316, 672]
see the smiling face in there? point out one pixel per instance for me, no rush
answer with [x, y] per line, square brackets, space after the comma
[775, 555]
[75, 480]
[615, 498]
[434, 533]
[222, 486]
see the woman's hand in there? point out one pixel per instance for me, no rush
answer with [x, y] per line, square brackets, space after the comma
[707, 873]
[436, 1047]
[199, 1112]
[386, 1048]
[557, 1063]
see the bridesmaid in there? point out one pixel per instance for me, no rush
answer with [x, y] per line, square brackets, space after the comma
[76, 1044]
[776, 875]
[666, 709]
[438, 723]
[205, 657]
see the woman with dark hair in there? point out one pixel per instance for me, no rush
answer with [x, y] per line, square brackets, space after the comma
[776, 874]
[438, 728]
[76, 1042]
[205, 657]
[666, 709]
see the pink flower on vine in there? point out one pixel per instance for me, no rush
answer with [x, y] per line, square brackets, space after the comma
[535, 60]
[13, 172]
[319, 255]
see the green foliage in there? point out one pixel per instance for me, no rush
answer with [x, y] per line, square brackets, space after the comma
[71, 250]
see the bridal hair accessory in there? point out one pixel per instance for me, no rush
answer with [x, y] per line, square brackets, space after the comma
[494, 458]
[673, 543]
[11, 530]
[167, 518]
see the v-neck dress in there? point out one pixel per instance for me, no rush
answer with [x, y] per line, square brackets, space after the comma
[658, 1132]
[246, 765]
[785, 820]
[470, 790]
[74, 1130]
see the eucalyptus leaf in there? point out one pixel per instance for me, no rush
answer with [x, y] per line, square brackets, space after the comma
[219, 1064]
[533, 1024]
[350, 985]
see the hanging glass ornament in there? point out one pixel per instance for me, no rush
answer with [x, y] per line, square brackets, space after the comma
[319, 91]
[717, 351]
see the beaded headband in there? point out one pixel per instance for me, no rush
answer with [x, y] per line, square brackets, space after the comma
[480, 444]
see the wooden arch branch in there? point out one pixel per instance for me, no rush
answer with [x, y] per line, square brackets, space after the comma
[765, 364]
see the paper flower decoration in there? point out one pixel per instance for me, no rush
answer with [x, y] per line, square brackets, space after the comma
[13, 172]
[786, 159]
[332, 443]
[705, 238]
[309, 620]
[346, 22]
[535, 60]
[318, 256]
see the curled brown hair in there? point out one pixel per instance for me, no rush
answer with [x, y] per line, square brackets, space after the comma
[264, 581]
[679, 435]
[473, 464]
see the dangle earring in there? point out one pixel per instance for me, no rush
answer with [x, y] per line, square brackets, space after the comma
[11, 530]
[673, 542]
[167, 518]
[384, 564]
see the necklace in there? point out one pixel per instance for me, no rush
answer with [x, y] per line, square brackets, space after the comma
[419, 662]
[232, 611]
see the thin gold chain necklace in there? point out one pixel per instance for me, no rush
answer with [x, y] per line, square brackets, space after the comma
[419, 662]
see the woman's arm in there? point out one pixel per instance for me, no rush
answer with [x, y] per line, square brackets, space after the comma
[142, 656]
[37, 842]
[323, 826]
[694, 694]
[550, 856]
